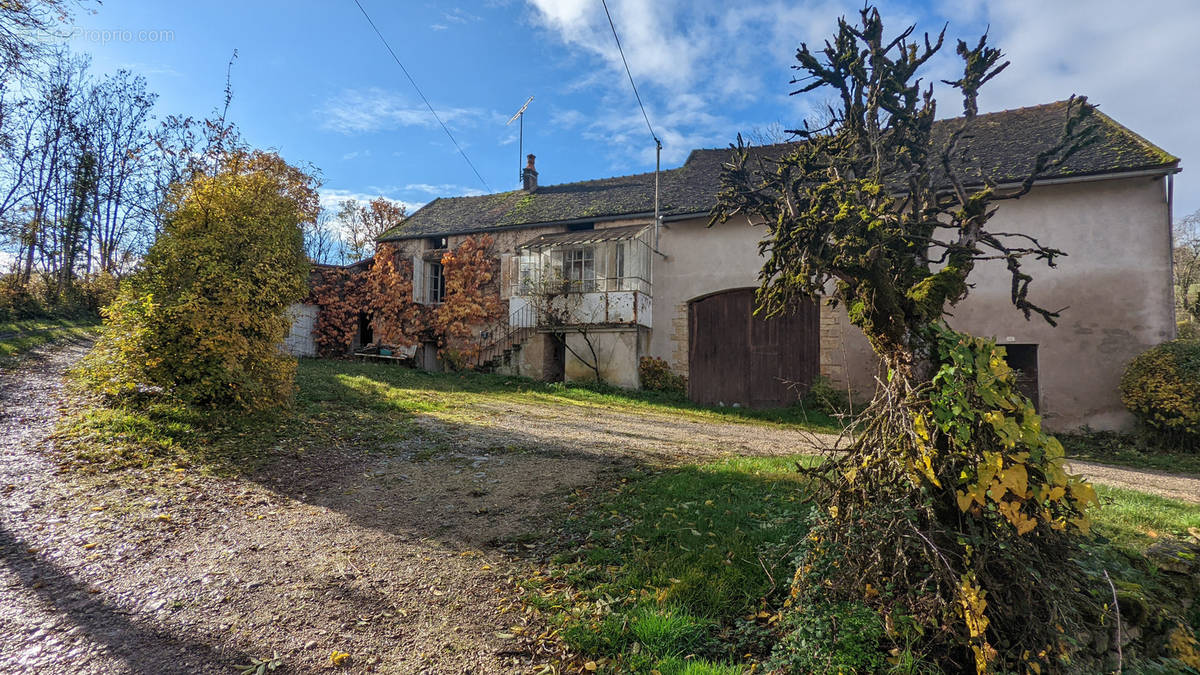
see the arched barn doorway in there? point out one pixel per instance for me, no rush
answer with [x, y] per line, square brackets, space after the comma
[735, 357]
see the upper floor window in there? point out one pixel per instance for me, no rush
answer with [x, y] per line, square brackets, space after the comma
[579, 269]
[437, 243]
[435, 283]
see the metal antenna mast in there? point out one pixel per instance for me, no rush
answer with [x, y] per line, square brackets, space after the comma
[520, 117]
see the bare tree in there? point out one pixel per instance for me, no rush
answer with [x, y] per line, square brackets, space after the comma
[560, 307]
[119, 115]
[361, 225]
[320, 238]
[1187, 268]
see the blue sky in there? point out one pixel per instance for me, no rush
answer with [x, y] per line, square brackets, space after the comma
[312, 80]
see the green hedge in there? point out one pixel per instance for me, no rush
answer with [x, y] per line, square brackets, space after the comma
[1162, 387]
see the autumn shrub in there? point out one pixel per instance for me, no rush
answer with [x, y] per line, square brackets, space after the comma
[1161, 387]
[18, 301]
[655, 374]
[955, 508]
[205, 318]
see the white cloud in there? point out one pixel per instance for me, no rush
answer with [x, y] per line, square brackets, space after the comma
[1136, 62]
[355, 111]
[458, 15]
[332, 198]
[356, 154]
[699, 75]
[7, 258]
[443, 190]
[707, 68]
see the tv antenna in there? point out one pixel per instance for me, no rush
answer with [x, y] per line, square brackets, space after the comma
[520, 118]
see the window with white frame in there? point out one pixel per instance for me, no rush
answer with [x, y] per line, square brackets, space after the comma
[435, 283]
[579, 269]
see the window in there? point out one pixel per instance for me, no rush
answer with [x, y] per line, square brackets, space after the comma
[435, 283]
[436, 243]
[527, 274]
[579, 269]
[1023, 359]
[619, 265]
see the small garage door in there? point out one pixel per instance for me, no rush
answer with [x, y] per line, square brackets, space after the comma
[734, 357]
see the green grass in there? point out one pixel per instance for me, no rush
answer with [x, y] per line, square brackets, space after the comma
[673, 566]
[17, 337]
[366, 405]
[449, 389]
[1131, 450]
[1134, 520]
[669, 569]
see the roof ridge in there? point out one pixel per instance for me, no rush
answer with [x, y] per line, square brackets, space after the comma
[944, 119]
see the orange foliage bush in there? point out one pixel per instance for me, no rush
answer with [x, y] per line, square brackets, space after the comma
[384, 290]
[472, 274]
[396, 319]
[340, 292]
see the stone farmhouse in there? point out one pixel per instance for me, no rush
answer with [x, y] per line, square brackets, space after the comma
[592, 285]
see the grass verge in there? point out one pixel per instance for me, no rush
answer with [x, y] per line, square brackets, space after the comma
[17, 337]
[1131, 450]
[345, 403]
[685, 570]
[677, 571]
[1133, 521]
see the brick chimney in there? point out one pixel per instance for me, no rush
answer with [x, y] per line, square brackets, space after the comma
[529, 176]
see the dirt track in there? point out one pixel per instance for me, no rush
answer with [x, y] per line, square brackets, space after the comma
[404, 561]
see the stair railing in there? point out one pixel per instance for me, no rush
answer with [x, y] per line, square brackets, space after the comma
[503, 335]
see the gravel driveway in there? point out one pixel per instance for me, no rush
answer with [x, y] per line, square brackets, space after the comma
[407, 562]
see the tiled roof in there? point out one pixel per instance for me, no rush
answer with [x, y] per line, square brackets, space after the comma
[1001, 148]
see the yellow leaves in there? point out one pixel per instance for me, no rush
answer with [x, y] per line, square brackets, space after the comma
[1012, 512]
[1015, 478]
[338, 658]
[1183, 646]
[972, 605]
[833, 512]
[974, 494]
[1083, 493]
[923, 466]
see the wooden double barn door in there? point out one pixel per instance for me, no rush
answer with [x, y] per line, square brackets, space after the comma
[735, 357]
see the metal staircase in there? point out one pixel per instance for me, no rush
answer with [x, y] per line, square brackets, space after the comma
[497, 343]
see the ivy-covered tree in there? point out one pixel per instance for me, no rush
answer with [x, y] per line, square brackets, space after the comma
[952, 505]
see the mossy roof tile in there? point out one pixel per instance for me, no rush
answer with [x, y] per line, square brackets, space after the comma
[1001, 147]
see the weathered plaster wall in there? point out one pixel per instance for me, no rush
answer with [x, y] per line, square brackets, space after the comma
[699, 260]
[1115, 285]
[618, 352]
[299, 341]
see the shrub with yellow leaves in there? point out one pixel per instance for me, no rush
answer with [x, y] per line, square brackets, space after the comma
[204, 318]
[954, 508]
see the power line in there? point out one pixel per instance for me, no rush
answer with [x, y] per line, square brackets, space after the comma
[422, 95]
[631, 83]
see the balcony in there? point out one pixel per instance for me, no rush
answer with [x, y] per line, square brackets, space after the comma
[591, 277]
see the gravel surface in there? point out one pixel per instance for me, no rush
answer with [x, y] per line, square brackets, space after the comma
[1161, 483]
[406, 561]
